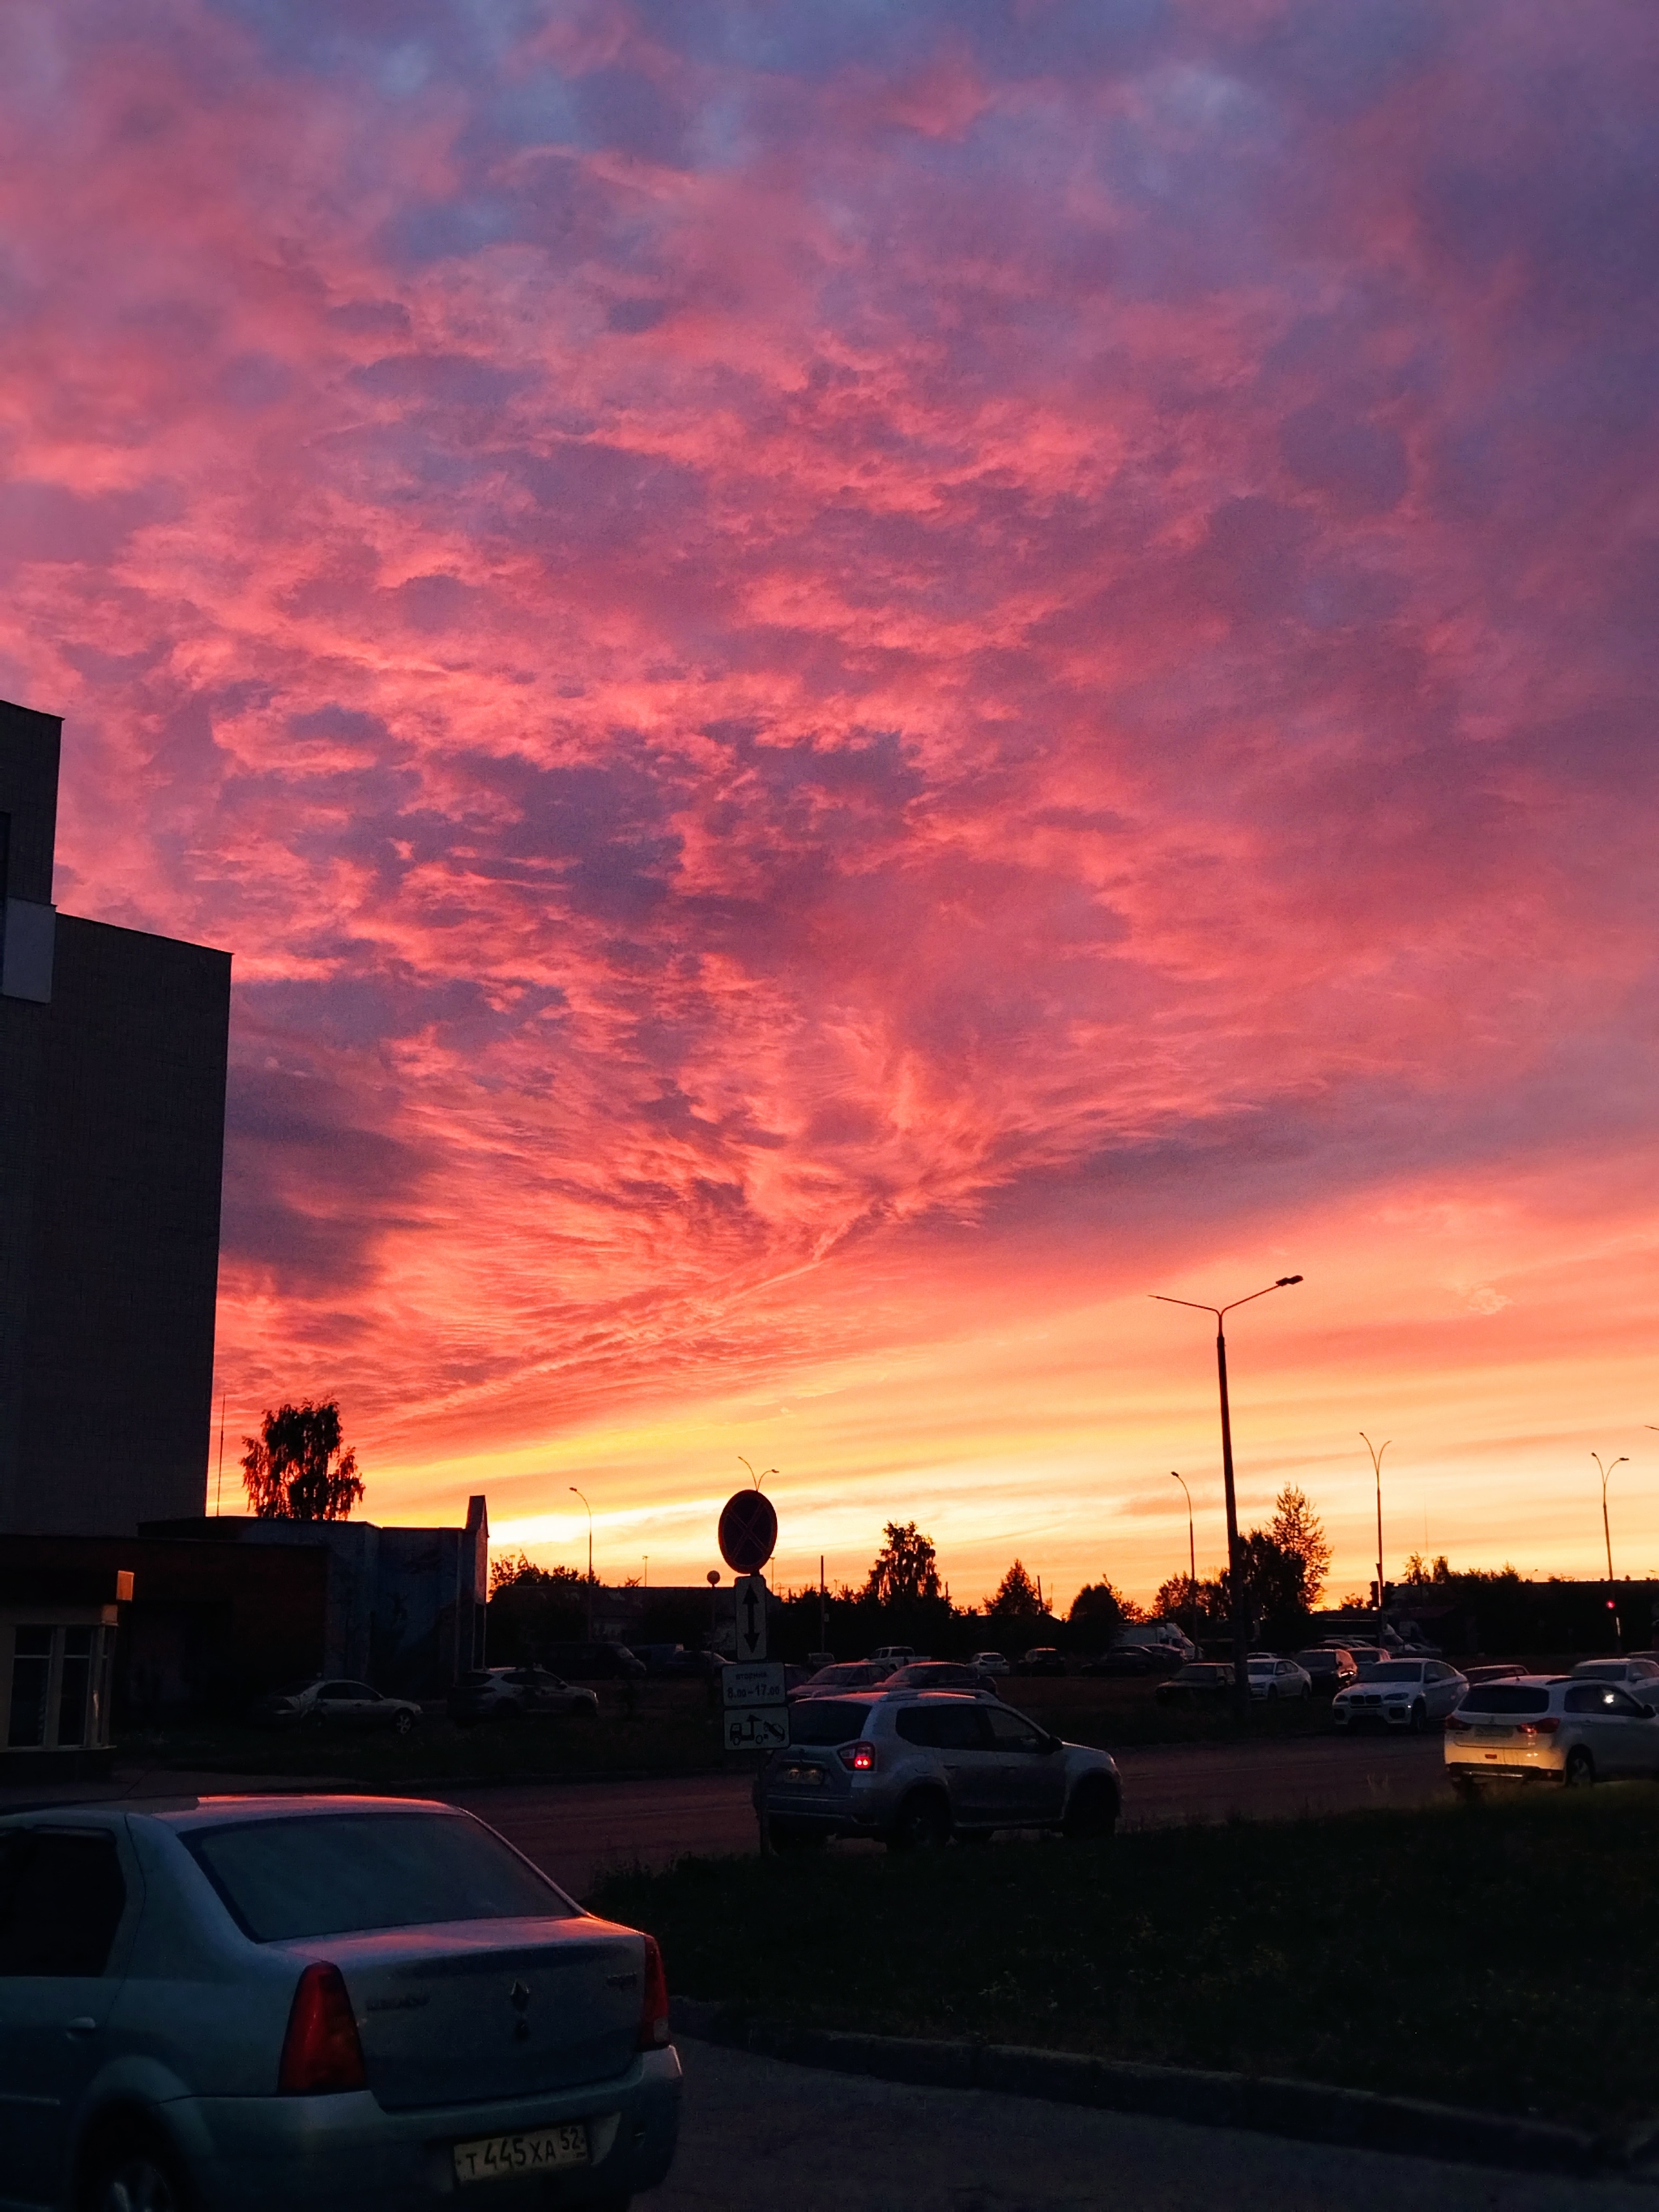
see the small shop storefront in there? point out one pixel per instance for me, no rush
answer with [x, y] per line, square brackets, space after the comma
[56, 1665]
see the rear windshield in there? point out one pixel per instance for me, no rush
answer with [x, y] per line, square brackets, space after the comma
[826, 1720]
[343, 1874]
[1200, 1673]
[1602, 1670]
[1505, 1698]
[1398, 1670]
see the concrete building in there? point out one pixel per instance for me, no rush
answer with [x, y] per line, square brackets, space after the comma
[112, 1051]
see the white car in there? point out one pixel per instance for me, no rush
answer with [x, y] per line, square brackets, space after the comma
[990, 1663]
[1549, 1727]
[1639, 1676]
[1402, 1693]
[1278, 1678]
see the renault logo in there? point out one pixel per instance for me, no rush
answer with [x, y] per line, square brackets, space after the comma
[519, 1997]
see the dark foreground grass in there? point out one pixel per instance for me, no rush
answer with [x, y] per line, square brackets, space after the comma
[1504, 1957]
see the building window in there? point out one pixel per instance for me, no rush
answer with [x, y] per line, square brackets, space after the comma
[31, 1673]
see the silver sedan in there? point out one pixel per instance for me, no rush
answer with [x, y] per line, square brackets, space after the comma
[246, 2003]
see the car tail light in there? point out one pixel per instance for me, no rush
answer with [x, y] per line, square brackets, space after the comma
[653, 2008]
[1457, 1721]
[321, 2052]
[860, 1757]
[1546, 1727]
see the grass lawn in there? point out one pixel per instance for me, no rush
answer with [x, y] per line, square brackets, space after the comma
[1504, 1956]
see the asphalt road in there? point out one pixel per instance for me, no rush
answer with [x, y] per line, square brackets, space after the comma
[757, 2134]
[577, 1829]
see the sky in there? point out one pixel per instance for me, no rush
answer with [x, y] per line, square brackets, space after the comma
[855, 684]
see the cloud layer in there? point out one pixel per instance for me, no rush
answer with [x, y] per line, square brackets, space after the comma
[823, 662]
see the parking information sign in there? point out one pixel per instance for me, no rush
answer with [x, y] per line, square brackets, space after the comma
[754, 1716]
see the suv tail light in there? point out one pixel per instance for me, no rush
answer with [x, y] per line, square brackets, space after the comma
[321, 2052]
[1457, 1721]
[1546, 1727]
[860, 1757]
[653, 2007]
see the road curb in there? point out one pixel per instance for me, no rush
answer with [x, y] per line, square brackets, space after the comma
[1309, 2111]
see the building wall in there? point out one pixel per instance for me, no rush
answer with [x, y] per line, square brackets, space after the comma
[111, 1139]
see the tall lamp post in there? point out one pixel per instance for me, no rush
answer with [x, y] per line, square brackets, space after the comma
[1192, 1551]
[1240, 1617]
[1377, 1452]
[1623, 1460]
[574, 1492]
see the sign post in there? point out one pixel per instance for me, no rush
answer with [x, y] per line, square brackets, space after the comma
[754, 1716]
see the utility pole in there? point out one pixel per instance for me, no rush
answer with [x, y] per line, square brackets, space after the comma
[1192, 1551]
[574, 1492]
[1623, 1460]
[1239, 1610]
[823, 1630]
[1377, 1452]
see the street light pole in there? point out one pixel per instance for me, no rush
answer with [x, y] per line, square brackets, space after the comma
[574, 1492]
[1235, 1563]
[1623, 1460]
[1377, 1452]
[1192, 1551]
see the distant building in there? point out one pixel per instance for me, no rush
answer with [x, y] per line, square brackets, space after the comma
[112, 1051]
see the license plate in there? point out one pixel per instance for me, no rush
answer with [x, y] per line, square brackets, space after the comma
[538, 2150]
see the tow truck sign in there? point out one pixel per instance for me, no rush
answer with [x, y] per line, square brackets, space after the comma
[754, 1716]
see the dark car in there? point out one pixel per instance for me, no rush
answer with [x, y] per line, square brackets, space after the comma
[1195, 1684]
[1041, 1659]
[942, 1674]
[1140, 1660]
[1328, 1666]
[592, 1663]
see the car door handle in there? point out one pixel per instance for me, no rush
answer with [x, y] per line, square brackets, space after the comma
[85, 2025]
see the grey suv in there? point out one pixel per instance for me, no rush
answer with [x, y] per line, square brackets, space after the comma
[916, 1769]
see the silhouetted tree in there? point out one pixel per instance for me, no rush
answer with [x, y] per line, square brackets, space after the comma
[1297, 1530]
[905, 1569]
[1016, 1595]
[297, 1468]
[1099, 1611]
[531, 1608]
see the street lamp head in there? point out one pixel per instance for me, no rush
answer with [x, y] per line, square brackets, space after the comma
[1285, 1282]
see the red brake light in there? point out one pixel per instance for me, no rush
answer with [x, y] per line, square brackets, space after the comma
[1457, 1721]
[321, 2052]
[861, 1756]
[653, 2008]
[1546, 1727]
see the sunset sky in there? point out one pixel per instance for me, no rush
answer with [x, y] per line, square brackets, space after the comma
[856, 682]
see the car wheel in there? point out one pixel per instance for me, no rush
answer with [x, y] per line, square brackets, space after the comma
[134, 2177]
[1420, 1717]
[1581, 1769]
[923, 1823]
[402, 1723]
[1273, 1693]
[1092, 1814]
